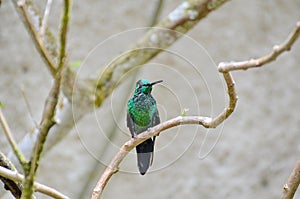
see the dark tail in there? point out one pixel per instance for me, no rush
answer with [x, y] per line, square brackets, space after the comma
[144, 155]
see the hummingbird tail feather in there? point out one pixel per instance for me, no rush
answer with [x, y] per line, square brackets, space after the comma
[144, 155]
[152, 157]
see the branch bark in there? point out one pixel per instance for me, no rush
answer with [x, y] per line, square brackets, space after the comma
[254, 63]
[15, 176]
[11, 140]
[14, 187]
[292, 184]
[45, 18]
[46, 123]
[49, 110]
[22, 10]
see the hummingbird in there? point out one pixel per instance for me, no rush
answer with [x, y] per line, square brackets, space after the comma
[142, 114]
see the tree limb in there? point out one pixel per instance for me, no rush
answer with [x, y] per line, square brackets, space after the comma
[14, 187]
[63, 33]
[45, 18]
[11, 140]
[157, 11]
[15, 176]
[292, 184]
[46, 123]
[23, 13]
[254, 63]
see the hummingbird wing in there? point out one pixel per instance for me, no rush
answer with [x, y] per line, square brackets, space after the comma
[144, 150]
[155, 121]
[130, 125]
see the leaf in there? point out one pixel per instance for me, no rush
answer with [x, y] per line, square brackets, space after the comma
[1, 105]
[184, 111]
[75, 64]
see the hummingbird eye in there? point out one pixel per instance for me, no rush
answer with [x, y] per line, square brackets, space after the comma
[141, 85]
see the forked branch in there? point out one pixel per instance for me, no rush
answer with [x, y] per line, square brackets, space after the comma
[47, 121]
[22, 9]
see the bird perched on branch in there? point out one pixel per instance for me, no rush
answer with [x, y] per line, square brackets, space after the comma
[142, 114]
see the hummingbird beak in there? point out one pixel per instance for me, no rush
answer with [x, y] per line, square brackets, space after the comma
[156, 82]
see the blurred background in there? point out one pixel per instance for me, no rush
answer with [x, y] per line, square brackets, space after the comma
[250, 155]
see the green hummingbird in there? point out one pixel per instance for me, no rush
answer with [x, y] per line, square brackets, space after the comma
[142, 114]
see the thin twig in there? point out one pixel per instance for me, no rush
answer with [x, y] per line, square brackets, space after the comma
[11, 140]
[63, 33]
[17, 177]
[28, 107]
[22, 10]
[45, 125]
[254, 63]
[45, 18]
[292, 184]
[157, 11]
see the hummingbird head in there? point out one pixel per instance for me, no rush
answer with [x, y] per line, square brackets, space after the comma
[144, 86]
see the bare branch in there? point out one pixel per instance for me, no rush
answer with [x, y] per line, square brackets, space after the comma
[78, 93]
[23, 13]
[178, 22]
[232, 102]
[133, 142]
[254, 63]
[180, 120]
[46, 123]
[112, 168]
[292, 184]
[63, 33]
[14, 187]
[45, 18]
[15, 176]
[157, 11]
[11, 140]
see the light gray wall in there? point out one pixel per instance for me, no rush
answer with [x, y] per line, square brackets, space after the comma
[250, 156]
